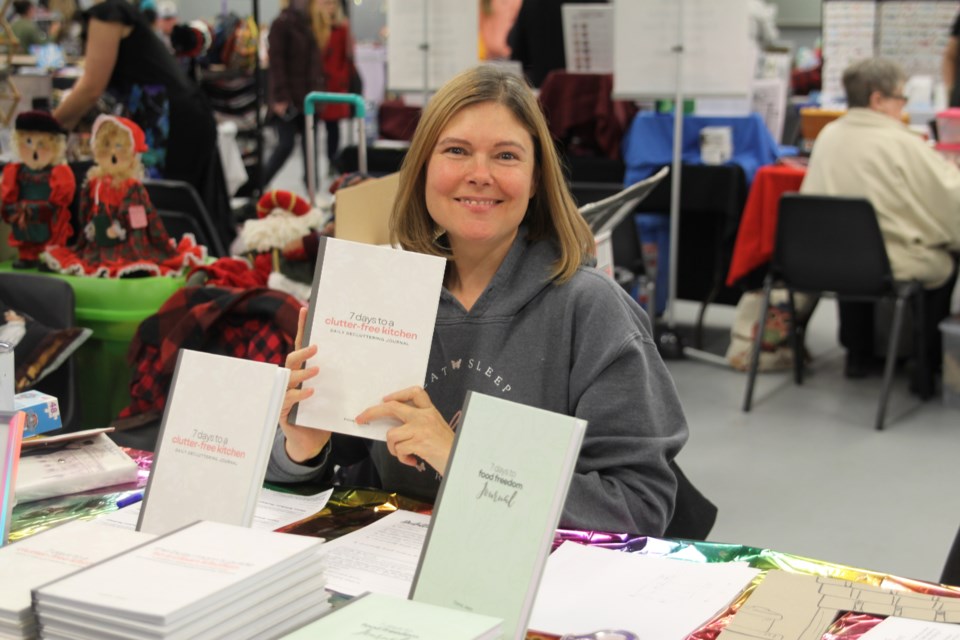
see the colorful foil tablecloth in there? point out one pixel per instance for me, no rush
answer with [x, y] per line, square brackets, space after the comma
[352, 508]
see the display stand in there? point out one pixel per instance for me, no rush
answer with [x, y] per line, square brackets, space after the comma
[720, 37]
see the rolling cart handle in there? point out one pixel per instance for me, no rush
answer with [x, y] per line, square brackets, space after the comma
[309, 109]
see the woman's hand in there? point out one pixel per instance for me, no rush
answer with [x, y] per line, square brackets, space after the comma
[423, 436]
[303, 443]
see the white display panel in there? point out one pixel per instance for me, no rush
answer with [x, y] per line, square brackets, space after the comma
[421, 58]
[719, 57]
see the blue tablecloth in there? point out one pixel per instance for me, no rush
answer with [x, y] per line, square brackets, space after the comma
[648, 144]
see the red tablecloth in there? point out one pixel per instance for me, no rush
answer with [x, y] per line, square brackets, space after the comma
[758, 224]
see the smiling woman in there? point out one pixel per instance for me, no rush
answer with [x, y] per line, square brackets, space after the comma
[482, 186]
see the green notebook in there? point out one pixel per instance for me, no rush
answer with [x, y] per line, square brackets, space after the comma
[374, 615]
[498, 509]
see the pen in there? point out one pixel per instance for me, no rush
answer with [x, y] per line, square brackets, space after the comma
[129, 500]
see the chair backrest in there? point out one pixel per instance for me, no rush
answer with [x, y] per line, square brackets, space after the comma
[181, 209]
[827, 243]
[50, 301]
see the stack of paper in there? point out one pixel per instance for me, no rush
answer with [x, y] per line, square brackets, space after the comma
[48, 556]
[379, 616]
[206, 580]
[79, 465]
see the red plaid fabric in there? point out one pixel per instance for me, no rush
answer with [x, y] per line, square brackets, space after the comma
[254, 324]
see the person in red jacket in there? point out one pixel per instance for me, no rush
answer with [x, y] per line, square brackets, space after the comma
[37, 191]
[336, 44]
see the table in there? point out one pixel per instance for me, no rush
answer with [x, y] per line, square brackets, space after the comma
[758, 225]
[352, 508]
[648, 144]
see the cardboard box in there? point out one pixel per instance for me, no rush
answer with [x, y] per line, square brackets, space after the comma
[43, 412]
[363, 210]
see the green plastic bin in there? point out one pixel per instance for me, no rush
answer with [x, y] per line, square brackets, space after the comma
[113, 309]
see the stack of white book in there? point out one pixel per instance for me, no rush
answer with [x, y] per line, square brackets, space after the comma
[205, 580]
[48, 556]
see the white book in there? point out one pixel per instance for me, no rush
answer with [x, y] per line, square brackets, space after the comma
[507, 482]
[372, 314]
[11, 435]
[78, 465]
[381, 616]
[182, 577]
[50, 555]
[214, 443]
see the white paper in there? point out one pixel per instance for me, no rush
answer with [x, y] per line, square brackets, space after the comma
[848, 34]
[905, 629]
[372, 315]
[277, 509]
[589, 588]
[588, 38]
[381, 557]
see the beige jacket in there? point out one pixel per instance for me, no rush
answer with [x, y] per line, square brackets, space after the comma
[915, 192]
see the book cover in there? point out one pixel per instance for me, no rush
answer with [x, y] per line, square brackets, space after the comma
[372, 313]
[52, 554]
[11, 434]
[391, 618]
[214, 443]
[195, 575]
[507, 482]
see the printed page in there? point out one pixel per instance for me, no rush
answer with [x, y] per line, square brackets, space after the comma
[54, 553]
[380, 558]
[218, 427]
[83, 464]
[594, 588]
[905, 629]
[372, 315]
[277, 509]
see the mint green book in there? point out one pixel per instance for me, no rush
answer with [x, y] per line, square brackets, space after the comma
[373, 615]
[497, 510]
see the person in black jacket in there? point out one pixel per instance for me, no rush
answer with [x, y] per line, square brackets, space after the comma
[296, 69]
[536, 39]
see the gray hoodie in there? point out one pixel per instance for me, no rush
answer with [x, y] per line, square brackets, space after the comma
[583, 348]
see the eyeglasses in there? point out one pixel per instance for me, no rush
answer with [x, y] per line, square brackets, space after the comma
[898, 96]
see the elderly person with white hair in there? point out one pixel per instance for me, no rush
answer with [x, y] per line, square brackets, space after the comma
[870, 153]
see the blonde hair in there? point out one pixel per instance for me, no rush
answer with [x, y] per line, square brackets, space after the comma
[110, 129]
[321, 26]
[552, 212]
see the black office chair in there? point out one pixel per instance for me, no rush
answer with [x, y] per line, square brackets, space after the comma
[182, 211]
[834, 245]
[51, 302]
[951, 570]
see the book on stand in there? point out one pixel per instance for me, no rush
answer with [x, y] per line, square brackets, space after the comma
[207, 579]
[47, 556]
[374, 615]
[498, 508]
[372, 313]
[11, 434]
[214, 443]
